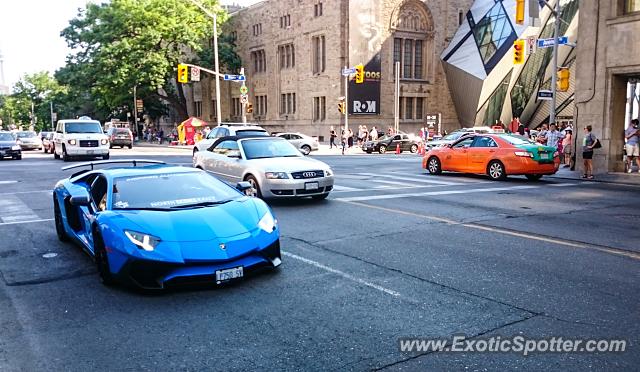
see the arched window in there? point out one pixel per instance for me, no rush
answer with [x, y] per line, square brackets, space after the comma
[412, 28]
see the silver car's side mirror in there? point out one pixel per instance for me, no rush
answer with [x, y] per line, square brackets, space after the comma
[233, 154]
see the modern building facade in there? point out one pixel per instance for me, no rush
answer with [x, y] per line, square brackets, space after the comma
[486, 85]
[293, 52]
[609, 60]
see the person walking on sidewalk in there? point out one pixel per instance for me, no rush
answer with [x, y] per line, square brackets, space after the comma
[587, 152]
[567, 142]
[553, 136]
[343, 140]
[632, 135]
[332, 138]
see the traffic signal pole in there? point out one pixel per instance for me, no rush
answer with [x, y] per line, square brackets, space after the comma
[346, 102]
[554, 75]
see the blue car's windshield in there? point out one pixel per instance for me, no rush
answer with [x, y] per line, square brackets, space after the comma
[6, 137]
[169, 190]
[83, 127]
[269, 148]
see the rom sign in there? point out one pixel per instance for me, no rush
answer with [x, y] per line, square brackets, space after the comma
[364, 107]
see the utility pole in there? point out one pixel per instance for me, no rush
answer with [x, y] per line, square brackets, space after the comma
[135, 109]
[554, 73]
[346, 102]
[33, 115]
[51, 111]
[396, 99]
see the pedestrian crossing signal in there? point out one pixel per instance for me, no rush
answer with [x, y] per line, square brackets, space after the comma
[518, 52]
[183, 74]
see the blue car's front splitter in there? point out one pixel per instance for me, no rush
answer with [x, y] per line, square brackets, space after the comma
[158, 275]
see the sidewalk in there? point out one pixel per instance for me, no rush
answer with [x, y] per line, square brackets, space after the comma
[613, 177]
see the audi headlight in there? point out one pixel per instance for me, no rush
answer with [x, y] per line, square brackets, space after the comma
[267, 223]
[15, 147]
[142, 241]
[276, 175]
[72, 142]
[104, 141]
[19, 142]
[328, 172]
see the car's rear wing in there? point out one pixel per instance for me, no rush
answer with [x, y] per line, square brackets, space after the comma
[92, 164]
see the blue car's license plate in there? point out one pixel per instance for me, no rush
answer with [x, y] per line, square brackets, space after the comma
[229, 274]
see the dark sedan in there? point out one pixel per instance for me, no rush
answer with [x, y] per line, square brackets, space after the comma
[9, 146]
[390, 143]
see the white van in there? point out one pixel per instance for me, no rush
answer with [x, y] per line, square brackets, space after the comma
[80, 137]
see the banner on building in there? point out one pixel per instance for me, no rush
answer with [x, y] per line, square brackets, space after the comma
[365, 42]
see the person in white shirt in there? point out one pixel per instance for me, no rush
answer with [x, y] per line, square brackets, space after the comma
[374, 134]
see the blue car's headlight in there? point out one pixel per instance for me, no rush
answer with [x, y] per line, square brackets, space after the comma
[276, 175]
[267, 223]
[142, 241]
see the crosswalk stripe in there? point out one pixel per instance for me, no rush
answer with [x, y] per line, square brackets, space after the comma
[447, 183]
[14, 210]
[434, 193]
[345, 188]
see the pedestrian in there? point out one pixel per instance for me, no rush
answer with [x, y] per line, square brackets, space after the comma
[521, 129]
[632, 135]
[350, 138]
[374, 134]
[542, 134]
[567, 142]
[160, 135]
[332, 138]
[588, 144]
[553, 136]
[343, 140]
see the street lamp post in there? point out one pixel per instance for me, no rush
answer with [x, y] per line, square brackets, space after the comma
[554, 74]
[215, 56]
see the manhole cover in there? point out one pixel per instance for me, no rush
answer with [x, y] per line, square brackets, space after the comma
[49, 255]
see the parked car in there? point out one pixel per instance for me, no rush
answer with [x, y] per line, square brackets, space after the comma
[226, 130]
[47, 142]
[43, 135]
[304, 143]
[496, 155]
[80, 137]
[120, 137]
[391, 142]
[9, 146]
[272, 165]
[454, 136]
[158, 225]
[28, 140]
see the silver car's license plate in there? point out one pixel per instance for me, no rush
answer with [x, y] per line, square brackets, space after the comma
[311, 186]
[229, 274]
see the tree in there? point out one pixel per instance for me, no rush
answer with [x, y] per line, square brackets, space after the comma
[126, 43]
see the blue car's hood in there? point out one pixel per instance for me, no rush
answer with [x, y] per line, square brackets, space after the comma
[236, 217]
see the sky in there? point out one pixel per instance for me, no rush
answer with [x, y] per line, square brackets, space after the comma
[30, 34]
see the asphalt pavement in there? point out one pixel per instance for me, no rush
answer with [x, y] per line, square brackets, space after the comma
[393, 253]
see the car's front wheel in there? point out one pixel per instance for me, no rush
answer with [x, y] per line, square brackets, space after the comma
[102, 260]
[382, 149]
[496, 171]
[434, 166]
[57, 214]
[65, 156]
[105, 157]
[413, 149]
[255, 187]
[305, 149]
[55, 154]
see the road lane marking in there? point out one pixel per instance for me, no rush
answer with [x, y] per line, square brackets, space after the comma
[412, 179]
[524, 235]
[7, 182]
[14, 210]
[29, 221]
[563, 184]
[23, 192]
[340, 188]
[433, 193]
[342, 274]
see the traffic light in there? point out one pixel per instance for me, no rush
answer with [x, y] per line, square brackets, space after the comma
[359, 74]
[183, 74]
[563, 79]
[520, 12]
[249, 108]
[518, 52]
[342, 107]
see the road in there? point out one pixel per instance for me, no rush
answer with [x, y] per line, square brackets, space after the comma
[392, 253]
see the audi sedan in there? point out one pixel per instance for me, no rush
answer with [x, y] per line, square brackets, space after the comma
[272, 165]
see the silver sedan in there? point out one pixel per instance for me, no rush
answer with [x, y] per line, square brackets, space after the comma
[272, 165]
[304, 143]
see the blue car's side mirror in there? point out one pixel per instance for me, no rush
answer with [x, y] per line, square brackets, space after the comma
[82, 199]
[243, 186]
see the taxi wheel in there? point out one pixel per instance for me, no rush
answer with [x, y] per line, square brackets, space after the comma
[533, 177]
[434, 166]
[255, 187]
[496, 171]
[413, 149]
[382, 149]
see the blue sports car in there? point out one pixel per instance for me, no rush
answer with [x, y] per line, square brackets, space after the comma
[158, 225]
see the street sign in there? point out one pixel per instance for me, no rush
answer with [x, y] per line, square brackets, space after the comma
[546, 43]
[54, 116]
[235, 77]
[545, 95]
[531, 44]
[244, 99]
[244, 89]
[195, 73]
[348, 71]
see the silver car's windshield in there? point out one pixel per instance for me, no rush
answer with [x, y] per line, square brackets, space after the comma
[170, 191]
[26, 134]
[276, 148]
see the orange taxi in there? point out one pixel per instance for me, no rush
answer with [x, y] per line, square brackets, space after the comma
[496, 155]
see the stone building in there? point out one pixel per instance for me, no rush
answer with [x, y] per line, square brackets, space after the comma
[293, 52]
[608, 54]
